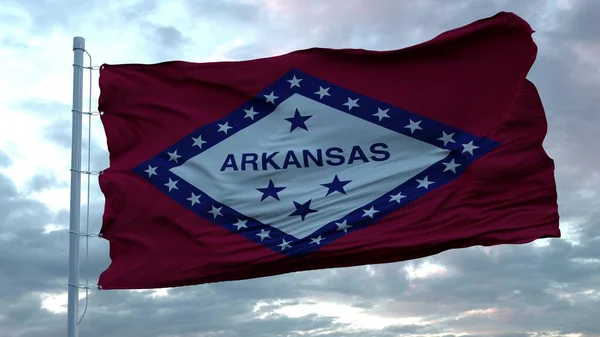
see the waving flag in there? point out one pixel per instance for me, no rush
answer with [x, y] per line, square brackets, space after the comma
[324, 158]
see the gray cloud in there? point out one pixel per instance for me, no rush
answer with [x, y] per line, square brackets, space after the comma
[12, 42]
[4, 160]
[46, 109]
[164, 42]
[26, 263]
[369, 25]
[33, 261]
[238, 11]
[41, 181]
[59, 132]
[138, 10]
[582, 22]
[46, 15]
[58, 116]
[169, 37]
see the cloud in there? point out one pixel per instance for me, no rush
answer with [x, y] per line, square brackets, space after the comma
[30, 260]
[4, 160]
[367, 24]
[581, 22]
[40, 182]
[45, 15]
[169, 37]
[44, 108]
[59, 132]
[241, 12]
[166, 42]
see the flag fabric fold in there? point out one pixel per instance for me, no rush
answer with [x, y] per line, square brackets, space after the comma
[324, 158]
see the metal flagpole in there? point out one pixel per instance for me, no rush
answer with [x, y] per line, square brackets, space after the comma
[75, 207]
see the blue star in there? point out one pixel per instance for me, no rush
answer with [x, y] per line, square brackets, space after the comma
[298, 121]
[336, 185]
[270, 191]
[303, 210]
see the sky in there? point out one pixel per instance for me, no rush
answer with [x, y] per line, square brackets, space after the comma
[547, 288]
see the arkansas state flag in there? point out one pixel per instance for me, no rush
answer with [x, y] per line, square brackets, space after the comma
[324, 158]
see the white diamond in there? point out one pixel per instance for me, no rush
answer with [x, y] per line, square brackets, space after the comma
[370, 180]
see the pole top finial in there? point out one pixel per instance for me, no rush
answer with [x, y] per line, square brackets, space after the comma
[78, 43]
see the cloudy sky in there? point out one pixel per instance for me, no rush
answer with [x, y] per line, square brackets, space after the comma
[547, 288]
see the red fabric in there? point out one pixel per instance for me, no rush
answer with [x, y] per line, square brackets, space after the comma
[473, 78]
